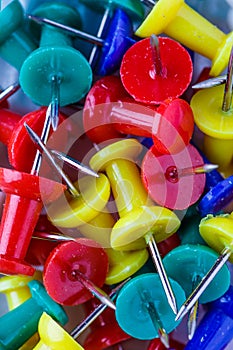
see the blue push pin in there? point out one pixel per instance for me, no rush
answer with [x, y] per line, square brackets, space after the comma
[216, 328]
[188, 264]
[56, 66]
[142, 309]
[18, 325]
[15, 44]
[115, 40]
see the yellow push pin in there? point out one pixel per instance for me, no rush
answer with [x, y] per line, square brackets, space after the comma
[214, 118]
[179, 21]
[53, 336]
[139, 217]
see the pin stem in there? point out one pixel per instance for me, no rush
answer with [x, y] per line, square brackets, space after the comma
[209, 83]
[154, 42]
[173, 174]
[99, 35]
[35, 138]
[55, 101]
[96, 291]
[78, 330]
[149, 3]
[192, 320]
[9, 91]
[52, 237]
[44, 138]
[227, 99]
[195, 295]
[74, 163]
[72, 31]
[149, 304]
[161, 271]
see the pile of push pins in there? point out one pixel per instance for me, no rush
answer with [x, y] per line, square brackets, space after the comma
[117, 183]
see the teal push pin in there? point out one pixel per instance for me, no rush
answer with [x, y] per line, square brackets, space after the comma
[142, 310]
[15, 44]
[18, 325]
[188, 264]
[56, 64]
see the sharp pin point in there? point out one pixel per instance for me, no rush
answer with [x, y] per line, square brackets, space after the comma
[35, 138]
[52, 237]
[212, 82]
[161, 272]
[96, 291]
[146, 299]
[54, 105]
[201, 287]
[74, 163]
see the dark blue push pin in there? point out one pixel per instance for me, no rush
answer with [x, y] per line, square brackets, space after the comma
[18, 325]
[216, 328]
[115, 41]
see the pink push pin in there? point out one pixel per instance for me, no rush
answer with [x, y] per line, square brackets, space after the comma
[161, 69]
[175, 181]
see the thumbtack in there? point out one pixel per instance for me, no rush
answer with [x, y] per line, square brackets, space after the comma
[68, 74]
[195, 261]
[9, 91]
[212, 114]
[138, 216]
[146, 298]
[21, 323]
[160, 175]
[220, 239]
[155, 74]
[53, 336]
[83, 269]
[15, 44]
[209, 83]
[191, 29]
[116, 41]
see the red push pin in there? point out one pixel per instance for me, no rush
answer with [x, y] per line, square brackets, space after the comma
[75, 271]
[161, 69]
[175, 181]
[109, 112]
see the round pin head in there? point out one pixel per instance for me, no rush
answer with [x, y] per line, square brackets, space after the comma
[141, 305]
[187, 263]
[150, 84]
[160, 175]
[66, 262]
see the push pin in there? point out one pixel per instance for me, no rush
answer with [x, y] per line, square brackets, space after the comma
[53, 336]
[175, 181]
[115, 42]
[15, 44]
[217, 232]
[139, 218]
[107, 7]
[130, 261]
[187, 26]
[155, 75]
[81, 274]
[213, 117]
[187, 265]
[67, 73]
[18, 325]
[171, 125]
[146, 298]
[24, 195]
[214, 332]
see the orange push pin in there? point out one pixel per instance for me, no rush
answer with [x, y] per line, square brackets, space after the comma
[179, 21]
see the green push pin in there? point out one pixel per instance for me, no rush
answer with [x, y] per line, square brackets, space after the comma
[142, 310]
[188, 264]
[56, 66]
[15, 44]
[18, 325]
